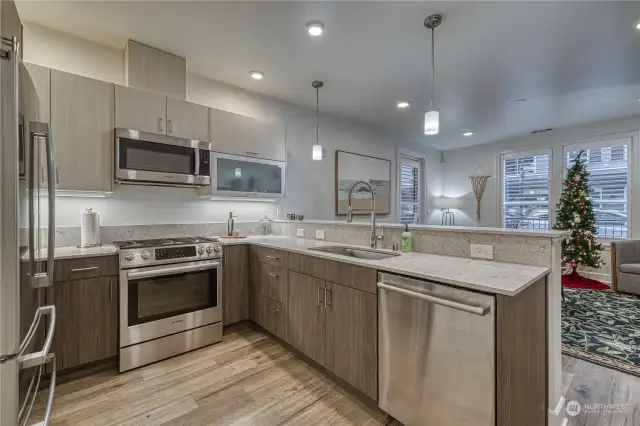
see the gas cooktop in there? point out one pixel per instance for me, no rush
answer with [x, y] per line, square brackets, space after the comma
[131, 244]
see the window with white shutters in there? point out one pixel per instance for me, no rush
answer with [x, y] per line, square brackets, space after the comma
[525, 190]
[608, 166]
[410, 190]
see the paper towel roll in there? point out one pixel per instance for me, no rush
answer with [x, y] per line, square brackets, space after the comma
[89, 228]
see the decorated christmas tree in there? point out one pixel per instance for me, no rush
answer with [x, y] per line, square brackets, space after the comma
[574, 213]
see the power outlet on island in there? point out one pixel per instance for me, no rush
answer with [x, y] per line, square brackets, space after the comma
[300, 232]
[320, 234]
[482, 251]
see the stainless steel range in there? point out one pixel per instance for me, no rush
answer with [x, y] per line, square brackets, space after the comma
[170, 297]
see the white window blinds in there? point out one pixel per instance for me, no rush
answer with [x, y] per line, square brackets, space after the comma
[525, 191]
[608, 166]
[410, 191]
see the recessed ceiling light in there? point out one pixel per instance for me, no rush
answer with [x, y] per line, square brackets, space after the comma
[402, 104]
[638, 99]
[315, 28]
[521, 101]
[638, 26]
[256, 75]
[467, 133]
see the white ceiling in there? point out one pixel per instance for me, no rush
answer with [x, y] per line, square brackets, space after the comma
[575, 62]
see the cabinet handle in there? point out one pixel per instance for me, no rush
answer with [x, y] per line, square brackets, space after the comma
[273, 275]
[169, 126]
[57, 175]
[318, 295]
[41, 174]
[159, 124]
[273, 257]
[274, 310]
[326, 298]
[90, 268]
[111, 290]
[252, 153]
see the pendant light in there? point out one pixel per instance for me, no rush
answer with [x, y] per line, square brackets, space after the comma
[432, 118]
[318, 150]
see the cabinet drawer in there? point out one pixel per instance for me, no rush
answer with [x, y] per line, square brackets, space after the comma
[275, 282]
[358, 277]
[276, 321]
[273, 257]
[89, 267]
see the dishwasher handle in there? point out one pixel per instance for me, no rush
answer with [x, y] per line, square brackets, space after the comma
[476, 310]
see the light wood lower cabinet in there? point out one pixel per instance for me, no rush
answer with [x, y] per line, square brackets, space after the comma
[340, 335]
[86, 320]
[307, 316]
[235, 284]
[352, 337]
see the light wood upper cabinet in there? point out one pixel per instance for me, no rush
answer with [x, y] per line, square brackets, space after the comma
[141, 110]
[187, 120]
[157, 71]
[237, 134]
[82, 123]
[37, 84]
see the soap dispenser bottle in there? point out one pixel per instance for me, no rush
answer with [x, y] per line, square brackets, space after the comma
[406, 240]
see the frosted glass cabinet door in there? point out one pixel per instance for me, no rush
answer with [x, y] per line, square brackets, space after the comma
[235, 175]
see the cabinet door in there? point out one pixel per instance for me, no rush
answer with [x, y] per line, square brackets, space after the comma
[235, 284]
[187, 120]
[306, 315]
[257, 300]
[174, 77]
[86, 321]
[82, 125]
[141, 110]
[352, 348]
[275, 282]
[277, 322]
[143, 67]
[237, 134]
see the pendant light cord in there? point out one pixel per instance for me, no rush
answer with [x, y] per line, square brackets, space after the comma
[317, 109]
[433, 66]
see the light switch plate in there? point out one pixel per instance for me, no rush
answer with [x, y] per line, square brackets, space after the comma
[481, 251]
[300, 232]
[319, 234]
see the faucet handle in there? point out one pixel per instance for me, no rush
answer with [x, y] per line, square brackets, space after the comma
[350, 215]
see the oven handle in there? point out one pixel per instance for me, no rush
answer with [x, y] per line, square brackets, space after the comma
[172, 270]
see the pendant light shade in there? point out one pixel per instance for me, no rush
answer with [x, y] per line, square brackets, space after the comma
[317, 152]
[432, 118]
[431, 123]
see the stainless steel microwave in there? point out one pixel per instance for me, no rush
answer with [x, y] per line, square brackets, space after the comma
[239, 176]
[151, 159]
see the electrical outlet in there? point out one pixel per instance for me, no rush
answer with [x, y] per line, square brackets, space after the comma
[300, 232]
[319, 234]
[482, 251]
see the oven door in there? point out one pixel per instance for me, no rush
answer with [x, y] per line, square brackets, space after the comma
[147, 157]
[158, 301]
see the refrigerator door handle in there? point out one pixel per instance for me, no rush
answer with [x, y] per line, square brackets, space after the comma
[44, 279]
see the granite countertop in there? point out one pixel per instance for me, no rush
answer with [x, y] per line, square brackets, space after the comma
[475, 274]
[74, 252]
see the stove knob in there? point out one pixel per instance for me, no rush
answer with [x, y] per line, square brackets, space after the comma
[217, 249]
[209, 249]
[200, 250]
[129, 256]
[145, 254]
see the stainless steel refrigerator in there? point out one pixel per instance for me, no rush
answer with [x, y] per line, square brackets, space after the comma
[27, 197]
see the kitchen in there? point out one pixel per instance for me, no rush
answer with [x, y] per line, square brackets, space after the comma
[204, 269]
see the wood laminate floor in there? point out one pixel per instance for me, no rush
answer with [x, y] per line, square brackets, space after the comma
[250, 379]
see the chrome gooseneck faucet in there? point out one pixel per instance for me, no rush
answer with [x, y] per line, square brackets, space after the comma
[374, 238]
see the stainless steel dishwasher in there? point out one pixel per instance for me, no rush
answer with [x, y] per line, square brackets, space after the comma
[436, 353]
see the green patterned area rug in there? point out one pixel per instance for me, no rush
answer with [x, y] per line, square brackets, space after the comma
[602, 327]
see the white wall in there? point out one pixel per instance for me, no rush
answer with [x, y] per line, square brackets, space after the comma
[310, 184]
[460, 163]
[64, 52]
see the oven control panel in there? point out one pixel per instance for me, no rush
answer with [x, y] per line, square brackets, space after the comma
[133, 258]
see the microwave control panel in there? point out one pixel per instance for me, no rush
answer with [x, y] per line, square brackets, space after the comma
[205, 163]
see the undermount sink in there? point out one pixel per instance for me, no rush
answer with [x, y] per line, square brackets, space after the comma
[360, 253]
